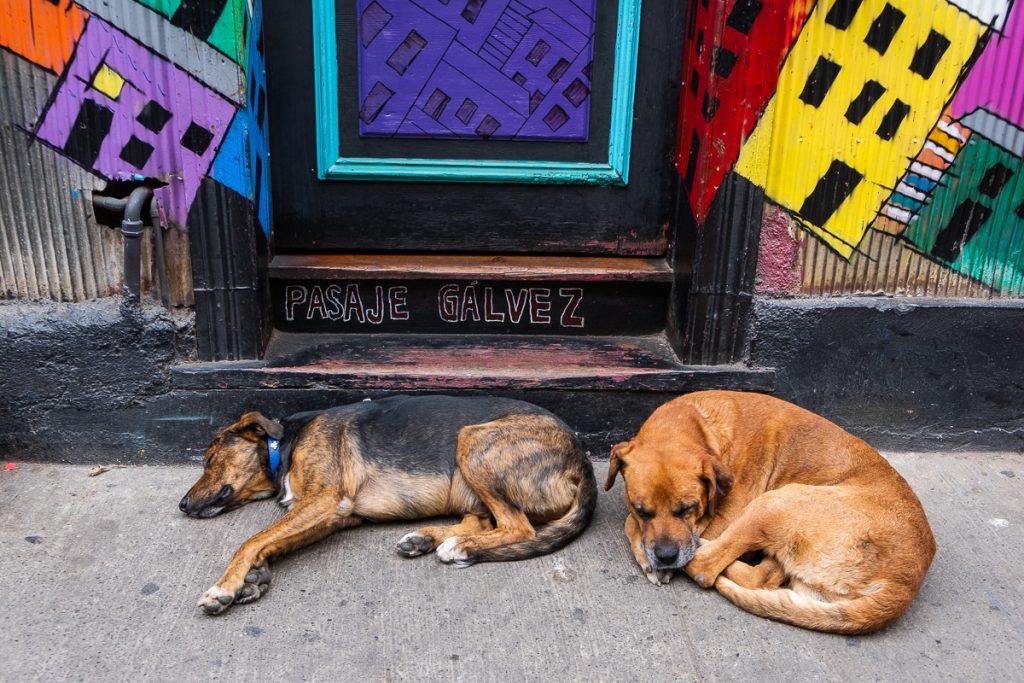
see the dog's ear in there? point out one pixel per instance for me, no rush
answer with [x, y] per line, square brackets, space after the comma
[718, 480]
[255, 426]
[616, 463]
[716, 419]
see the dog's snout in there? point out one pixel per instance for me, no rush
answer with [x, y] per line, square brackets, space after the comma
[666, 552]
[224, 494]
[183, 505]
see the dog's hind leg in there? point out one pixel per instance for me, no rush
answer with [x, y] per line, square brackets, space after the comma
[753, 530]
[312, 519]
[512, 526]
[766, 574]
[425, 539]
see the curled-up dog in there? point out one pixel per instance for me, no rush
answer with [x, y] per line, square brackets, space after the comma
[513, 471]
[784, 513]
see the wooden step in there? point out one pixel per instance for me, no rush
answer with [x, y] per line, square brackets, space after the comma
[468, 267]
[603, 387]
[467, 294]
[482, 362]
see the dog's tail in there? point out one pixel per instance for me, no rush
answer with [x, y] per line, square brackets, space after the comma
[556, 534]
[858, 615]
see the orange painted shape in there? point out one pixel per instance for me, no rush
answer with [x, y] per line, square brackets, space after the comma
[930, 158]
[40, 31]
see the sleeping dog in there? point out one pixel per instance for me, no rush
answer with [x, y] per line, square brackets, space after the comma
[503, 465]
[839, 541]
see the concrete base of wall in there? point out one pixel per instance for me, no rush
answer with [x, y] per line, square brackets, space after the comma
[911, 374]
[83, 383]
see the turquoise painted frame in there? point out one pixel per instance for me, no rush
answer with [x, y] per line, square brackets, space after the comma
[331, 166]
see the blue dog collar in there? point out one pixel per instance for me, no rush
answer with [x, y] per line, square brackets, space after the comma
[274, 446]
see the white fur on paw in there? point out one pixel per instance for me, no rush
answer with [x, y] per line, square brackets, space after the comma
[215, 600]
[659, 577]
[449, 553]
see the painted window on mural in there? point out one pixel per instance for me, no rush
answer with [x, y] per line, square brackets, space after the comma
[456, 69]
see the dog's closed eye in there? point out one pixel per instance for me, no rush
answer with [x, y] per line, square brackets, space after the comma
[642, 512]
[684, 509]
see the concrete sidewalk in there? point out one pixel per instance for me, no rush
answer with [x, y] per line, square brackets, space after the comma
[101, 576]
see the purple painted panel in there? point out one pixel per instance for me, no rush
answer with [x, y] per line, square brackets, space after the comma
[994, 81]
[136, 114]
[476, 69]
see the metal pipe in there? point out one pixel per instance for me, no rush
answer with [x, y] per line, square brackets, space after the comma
[158, 240]
[131, 229]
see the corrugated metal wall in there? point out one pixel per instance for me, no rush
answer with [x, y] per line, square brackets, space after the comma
[886, 135]
[96, 95]
[49, 247]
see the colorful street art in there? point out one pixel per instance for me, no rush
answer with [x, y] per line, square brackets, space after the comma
[888, 132]
[505, 69]
[167, 92]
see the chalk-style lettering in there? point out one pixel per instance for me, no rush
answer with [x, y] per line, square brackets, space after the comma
[540, 305]
[332, 293]
[491, 315]
[375, 314]
[574, 296]
[448, 303]
[470, 306]
[317, 304]
[397, 301]
[293, 296]
[353, 304]
[517, 306]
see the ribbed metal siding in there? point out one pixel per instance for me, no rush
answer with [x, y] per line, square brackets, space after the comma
[49, 246]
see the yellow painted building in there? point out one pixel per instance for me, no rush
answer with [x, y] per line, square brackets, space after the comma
[857, 96]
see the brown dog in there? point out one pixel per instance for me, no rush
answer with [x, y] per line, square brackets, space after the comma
[842, 541]
[503, 465]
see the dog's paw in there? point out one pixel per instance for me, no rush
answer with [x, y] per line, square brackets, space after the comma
[453, 552]
[216, 600]
[414, 545]
[699, 570]
[257, 583]
[659, 577]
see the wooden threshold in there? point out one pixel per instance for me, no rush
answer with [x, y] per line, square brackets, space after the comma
[446, 363]
[463, 267]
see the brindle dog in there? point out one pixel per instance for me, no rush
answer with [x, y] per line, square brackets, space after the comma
[503, 465]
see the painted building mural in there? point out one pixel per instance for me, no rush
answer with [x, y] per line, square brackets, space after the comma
[886, 136]
[473, 70]
[167, 92]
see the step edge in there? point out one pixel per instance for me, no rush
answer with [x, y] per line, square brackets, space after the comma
[294, 267]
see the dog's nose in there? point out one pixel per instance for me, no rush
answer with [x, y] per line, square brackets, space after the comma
[183, 505]
[667, 553]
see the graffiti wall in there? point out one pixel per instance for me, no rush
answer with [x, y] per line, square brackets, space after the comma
[166, 92]
[886, 135]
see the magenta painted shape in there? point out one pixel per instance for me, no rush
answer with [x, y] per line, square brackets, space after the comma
[163, 124]
[994, 81]
[476, 69]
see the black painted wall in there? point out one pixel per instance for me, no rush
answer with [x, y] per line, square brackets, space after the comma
[81, 383]
[908, 374]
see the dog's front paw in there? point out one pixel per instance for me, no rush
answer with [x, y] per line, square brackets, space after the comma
[659, 577]
[413, 545]
[216, 600]
[452, 551]
[257, 583]
[699, 570]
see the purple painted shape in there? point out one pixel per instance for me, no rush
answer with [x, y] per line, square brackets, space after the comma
[406, 17]
[990, 83]
[538, 127]
[147, 77]
[512, 59]
[449, 124]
